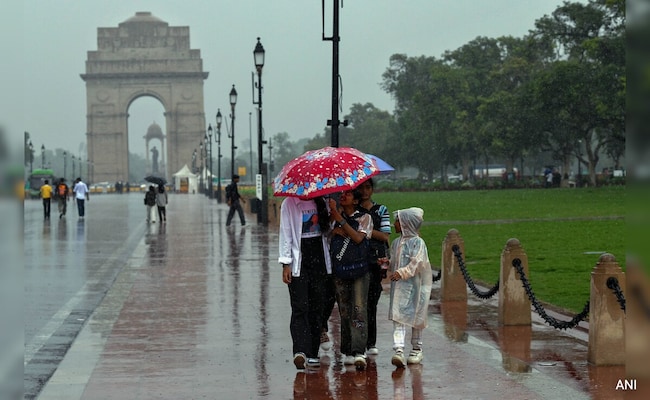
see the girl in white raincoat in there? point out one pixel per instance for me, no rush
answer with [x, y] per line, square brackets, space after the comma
[410, 287]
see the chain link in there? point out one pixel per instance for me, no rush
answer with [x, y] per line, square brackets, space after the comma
[612, 283]
[477, 292]
[555, 323]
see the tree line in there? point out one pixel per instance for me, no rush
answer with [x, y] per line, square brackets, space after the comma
[557, 92]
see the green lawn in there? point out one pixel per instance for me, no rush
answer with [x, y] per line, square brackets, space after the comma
[558, 228]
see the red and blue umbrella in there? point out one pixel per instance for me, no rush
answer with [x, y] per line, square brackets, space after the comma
[384, 167]
[324, 171]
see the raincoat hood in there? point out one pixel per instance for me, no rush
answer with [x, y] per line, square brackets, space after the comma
[410, 220]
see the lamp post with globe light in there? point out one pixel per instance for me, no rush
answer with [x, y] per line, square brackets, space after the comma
[258, 57]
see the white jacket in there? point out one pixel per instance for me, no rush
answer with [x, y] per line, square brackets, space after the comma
[291, 212]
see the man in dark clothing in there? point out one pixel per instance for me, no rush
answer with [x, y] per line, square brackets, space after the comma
[233, 198]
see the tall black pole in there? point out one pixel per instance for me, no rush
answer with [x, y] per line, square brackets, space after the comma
[218, 138]
[335, 76]
[209, 138]
[201, 189]
[335, 38]
[258, 54]
[31, 157]
[250, 138]
[233, 102]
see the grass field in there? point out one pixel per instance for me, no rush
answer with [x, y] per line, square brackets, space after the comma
[562, 231]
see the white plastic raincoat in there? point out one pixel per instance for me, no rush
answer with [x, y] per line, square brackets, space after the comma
[409, 297]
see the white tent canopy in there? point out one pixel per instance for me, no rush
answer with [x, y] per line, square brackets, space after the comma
[185, 174]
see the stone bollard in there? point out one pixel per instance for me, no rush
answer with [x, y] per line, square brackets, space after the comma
[452, 283]
[606, 319]
[514, 304]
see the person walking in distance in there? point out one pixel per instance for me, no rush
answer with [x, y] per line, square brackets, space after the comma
[233, 199]
[80, 190]
[410, 288]
[63, 191]
[304, 256]
[46, 195]
[150, 202]
[161, 202]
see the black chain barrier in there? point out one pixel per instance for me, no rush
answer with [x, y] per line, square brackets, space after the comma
[438, 276]
[477, 292]
[555, 323]
[612, 283]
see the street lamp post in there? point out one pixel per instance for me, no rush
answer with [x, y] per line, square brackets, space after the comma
[218, 139]
[271, 166]
[42, 156]
[73, 158]
[31, 157]
[65, 164]
[250, 138]
[258, 57]
[233, 103]
[194, 161]
[209, 141]
[201, 171]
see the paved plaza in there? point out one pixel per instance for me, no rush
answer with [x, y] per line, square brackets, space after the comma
[195, 310]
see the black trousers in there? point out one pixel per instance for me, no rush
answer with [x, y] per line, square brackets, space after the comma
[374, 293]
[306, 293]
[235, 206]
[46, 207]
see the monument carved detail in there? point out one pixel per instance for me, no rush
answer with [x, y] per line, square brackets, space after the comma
[143, 56]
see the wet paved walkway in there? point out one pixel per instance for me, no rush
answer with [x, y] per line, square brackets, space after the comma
[199, 311]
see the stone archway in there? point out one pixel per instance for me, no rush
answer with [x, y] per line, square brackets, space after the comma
[155, 167]
[143, 56]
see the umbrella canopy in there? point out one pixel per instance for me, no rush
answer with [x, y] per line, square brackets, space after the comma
[155, 180]
[324, 171]
[384, 167]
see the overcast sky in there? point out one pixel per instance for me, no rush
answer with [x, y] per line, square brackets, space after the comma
[52, 37]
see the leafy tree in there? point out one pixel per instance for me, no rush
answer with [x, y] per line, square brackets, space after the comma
[582, 93]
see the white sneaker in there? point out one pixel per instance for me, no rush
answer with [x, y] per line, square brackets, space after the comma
[398, 359]
[415, 357]
[299, 360]
[313, 363]
[348, 360]
[372, 351]
[360, 361]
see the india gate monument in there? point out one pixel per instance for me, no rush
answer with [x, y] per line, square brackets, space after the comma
[143, 56]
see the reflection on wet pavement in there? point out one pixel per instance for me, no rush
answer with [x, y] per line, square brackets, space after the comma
[204, 314]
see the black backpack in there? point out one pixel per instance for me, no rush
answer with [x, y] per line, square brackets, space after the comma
[229, 190]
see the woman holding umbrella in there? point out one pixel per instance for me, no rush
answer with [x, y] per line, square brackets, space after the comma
[352, 294]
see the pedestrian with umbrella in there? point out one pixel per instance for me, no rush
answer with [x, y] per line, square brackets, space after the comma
[355, 227]
[303, 245]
